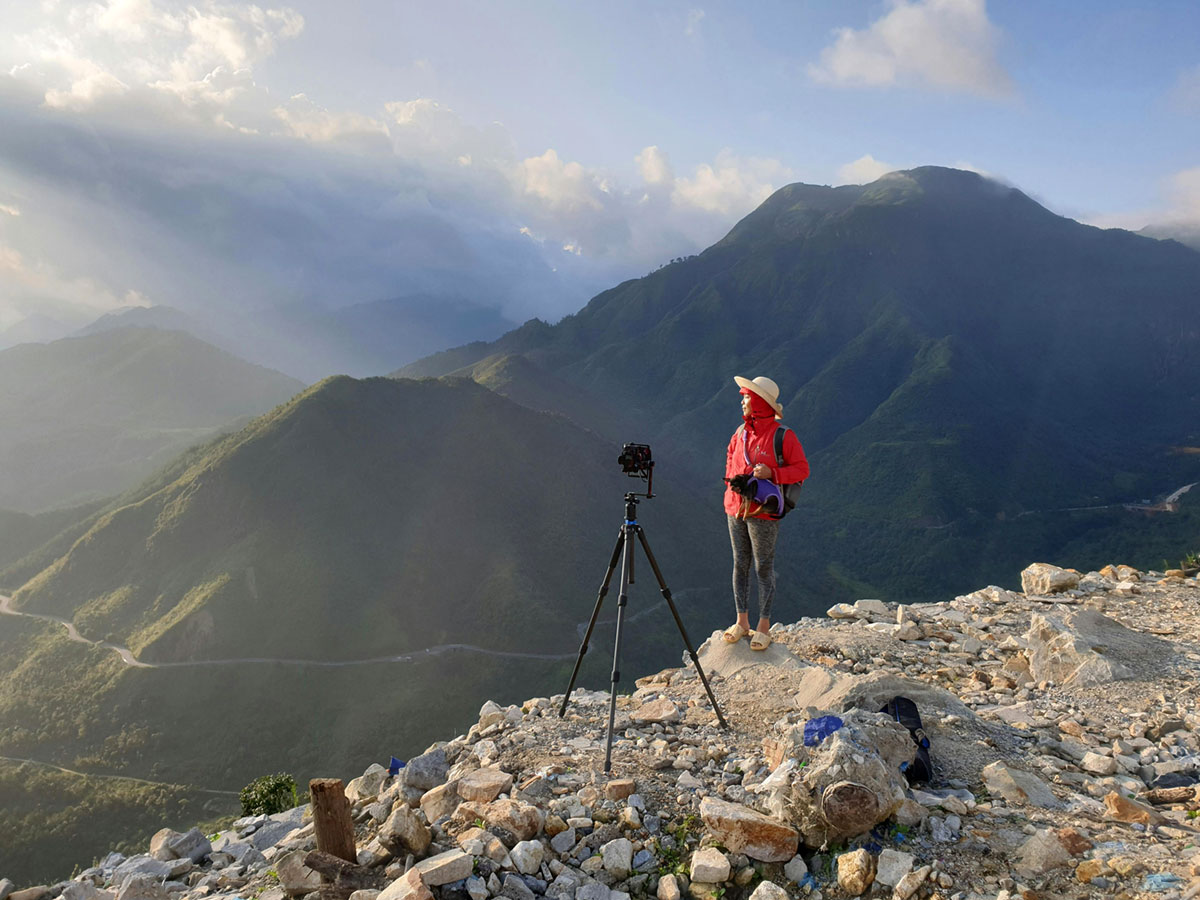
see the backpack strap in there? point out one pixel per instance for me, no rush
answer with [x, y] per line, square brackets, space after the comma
[780, 434]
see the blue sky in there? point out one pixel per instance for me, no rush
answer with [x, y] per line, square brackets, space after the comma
[225, 156]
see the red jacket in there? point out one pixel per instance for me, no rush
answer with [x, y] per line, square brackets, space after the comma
[760, 444]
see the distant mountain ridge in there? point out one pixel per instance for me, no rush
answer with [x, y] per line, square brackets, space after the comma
[312, 342]
[951, 353]
[87, 417]
[374, 489]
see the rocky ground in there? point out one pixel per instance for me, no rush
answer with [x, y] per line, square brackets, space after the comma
[1064, 734]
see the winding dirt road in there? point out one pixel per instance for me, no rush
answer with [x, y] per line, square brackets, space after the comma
[129, 659]
[182, 787]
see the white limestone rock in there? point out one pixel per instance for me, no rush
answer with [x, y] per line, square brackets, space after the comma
[1043, 579]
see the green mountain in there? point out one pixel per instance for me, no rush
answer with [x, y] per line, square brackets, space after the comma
[377, 551]
[88, 417]
[955, 358]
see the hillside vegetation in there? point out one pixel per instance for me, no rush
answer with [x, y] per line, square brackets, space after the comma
[88, 417]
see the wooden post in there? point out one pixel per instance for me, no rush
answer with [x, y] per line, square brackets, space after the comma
[1186, 794]
[331, 818]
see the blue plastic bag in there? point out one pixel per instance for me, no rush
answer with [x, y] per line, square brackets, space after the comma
[816, 730]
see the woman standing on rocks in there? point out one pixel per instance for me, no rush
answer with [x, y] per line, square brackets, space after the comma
[753, 530]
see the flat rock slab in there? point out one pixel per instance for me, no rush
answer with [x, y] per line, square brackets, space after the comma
[453, 865]
[744, 830]
[484, 785]
[1043, 579]
[826, 689]
[1088, 648]
[519, 821]
[892, 866]
[1018, 788]
[718, 656]
[657, 712]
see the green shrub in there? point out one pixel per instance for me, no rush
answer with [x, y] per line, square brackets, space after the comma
[269, 794]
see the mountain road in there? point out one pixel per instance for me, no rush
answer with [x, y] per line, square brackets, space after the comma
[129, 659]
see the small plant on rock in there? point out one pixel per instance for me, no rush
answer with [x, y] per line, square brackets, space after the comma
[268, 795]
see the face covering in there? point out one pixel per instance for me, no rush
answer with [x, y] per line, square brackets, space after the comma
[760, 409]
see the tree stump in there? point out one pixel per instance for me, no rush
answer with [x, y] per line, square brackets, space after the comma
[331, 818]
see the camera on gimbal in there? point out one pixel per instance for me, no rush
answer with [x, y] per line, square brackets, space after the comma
[635, 460]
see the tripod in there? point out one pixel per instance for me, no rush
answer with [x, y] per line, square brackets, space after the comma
[624, 551]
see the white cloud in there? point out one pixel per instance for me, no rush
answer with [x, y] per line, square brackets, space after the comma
[88, 84]
[654, 166]
[1179, 206]
[10, 209]
[425, 130]
[863, 170]
[944, 44]
[304, 119]
[214, 187]
[732, 185]
[694, 18]
[202, 53]
[561, 185]
[1184, 192]
[36, 286]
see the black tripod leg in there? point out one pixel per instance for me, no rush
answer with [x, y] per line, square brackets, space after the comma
[666, 592]
[583, 648]
[622, 599]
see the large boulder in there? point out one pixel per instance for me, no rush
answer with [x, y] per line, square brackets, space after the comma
[440, 801]
[512, 820]
[142, 865]
[84, 890]
[404, 832]
[295, 877]
[276, 828]
[369, 784]
[719, 657]
[1041, 579]
[844, 785]
[823, 688]
[425, 771]
[142, 887]
[1088, 648]
[408, 886]
[743, 830]
[484, 785]
[451, 866]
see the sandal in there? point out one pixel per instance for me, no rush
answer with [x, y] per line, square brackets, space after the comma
[760, 640]
[735, 633]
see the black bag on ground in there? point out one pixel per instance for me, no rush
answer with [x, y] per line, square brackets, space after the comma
[905, 712]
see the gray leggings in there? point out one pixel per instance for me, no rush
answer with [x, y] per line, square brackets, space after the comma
[753, 538]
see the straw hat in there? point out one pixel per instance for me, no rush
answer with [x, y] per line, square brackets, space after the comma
[765, 388]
